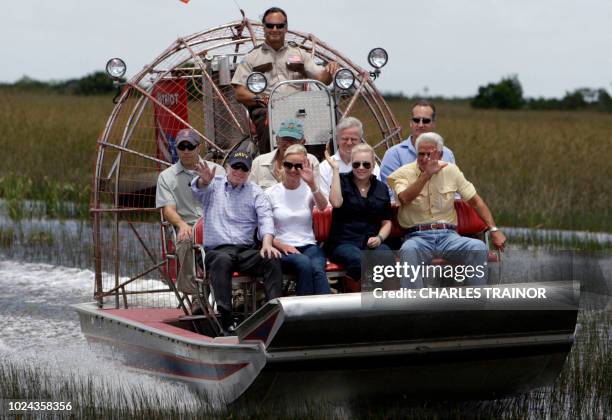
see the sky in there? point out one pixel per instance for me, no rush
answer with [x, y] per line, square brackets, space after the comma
[438, 47]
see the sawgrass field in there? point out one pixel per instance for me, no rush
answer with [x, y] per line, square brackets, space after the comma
[542, 169]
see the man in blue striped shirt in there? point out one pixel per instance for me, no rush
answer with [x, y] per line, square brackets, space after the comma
[233, 209]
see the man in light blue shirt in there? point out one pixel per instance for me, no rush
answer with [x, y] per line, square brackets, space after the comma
[423, 120]
[233, 209]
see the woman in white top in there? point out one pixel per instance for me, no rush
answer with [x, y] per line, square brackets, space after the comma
[292, 202]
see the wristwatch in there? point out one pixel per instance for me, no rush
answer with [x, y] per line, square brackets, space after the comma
[493, 229]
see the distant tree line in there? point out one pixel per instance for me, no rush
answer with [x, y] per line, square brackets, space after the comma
[508, 94]
[92, 84]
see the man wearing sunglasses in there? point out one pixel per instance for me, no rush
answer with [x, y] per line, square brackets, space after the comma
[349, 133]
[423, 120]
[266, 170]
[180, 208]
[234, 208]
[426, 190]
[278, 60]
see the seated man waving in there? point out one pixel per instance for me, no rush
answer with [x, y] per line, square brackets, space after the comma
[233, 208]
[426, 192]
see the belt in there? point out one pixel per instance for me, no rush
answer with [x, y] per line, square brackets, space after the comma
[431, 226]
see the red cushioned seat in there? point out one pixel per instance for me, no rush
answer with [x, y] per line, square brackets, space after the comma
[198, 232]
[321, 223]
[330, 266]
[468, 221]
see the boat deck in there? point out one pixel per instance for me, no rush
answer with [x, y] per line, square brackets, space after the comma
[164, 320]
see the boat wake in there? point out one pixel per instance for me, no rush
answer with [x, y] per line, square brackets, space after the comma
[43, 348]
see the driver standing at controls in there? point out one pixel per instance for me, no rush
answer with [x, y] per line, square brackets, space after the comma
[278, 60]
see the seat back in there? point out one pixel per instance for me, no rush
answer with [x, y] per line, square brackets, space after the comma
[321, 223]
[468, 220]
[198, 232]
[168, 248]
[396, 230]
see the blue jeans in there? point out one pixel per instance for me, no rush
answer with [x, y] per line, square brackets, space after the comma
[349, 256]
[309, 269]
[419, 248]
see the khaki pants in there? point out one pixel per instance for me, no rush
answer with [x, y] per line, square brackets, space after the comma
[185, 279]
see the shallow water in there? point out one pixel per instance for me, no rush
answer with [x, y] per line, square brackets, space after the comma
[41, 331]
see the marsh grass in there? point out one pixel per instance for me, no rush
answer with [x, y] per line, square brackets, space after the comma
[48, 150]
[538, 169]
[53, 243]
[583, 390]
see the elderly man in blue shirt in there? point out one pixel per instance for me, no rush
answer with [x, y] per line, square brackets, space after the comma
[423, 120]
[233, 209]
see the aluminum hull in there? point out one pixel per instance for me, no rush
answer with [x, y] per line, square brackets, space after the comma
[343, 346]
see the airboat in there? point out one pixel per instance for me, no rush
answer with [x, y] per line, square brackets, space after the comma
[342, 345]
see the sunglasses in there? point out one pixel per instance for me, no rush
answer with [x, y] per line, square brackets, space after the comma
[421, 120]
[275, 25]
[239, 167]
[289, 166]
[186, 146]
[366, 165]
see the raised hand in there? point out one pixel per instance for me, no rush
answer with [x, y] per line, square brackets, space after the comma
[332, 162]
[307, 174]
[205, 173]
[433, 165]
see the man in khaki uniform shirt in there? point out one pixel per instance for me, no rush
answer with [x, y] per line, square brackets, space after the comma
[426, 189]
[266, 168]
[278, 61]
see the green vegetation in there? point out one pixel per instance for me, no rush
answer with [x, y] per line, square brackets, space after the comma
[48, 150]
[92, 84]
[535, 169]
[508, 94]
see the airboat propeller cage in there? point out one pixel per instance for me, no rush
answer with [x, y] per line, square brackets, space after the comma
[186, 86]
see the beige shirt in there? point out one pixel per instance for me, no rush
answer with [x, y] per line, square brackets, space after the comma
[173, 188]
[262, 170]
[274, 65]
[435, 202]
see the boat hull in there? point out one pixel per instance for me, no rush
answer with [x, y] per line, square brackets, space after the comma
[346, 346]
[148, 340]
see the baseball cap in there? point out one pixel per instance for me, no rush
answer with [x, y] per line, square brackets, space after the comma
[188, 135]
[291, 128]
[240, 156]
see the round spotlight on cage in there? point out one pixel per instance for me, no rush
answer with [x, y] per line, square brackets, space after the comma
[378, 57]
[115, 68]
[344, 79]
[257, 82]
